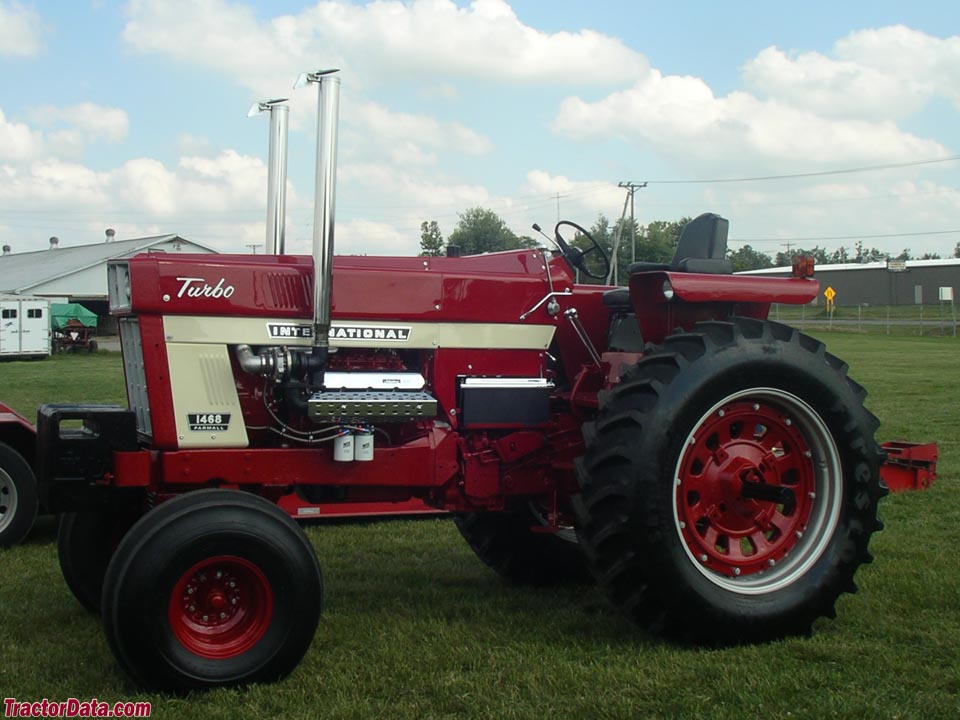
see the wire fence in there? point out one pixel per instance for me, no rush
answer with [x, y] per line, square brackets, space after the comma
[936, 320]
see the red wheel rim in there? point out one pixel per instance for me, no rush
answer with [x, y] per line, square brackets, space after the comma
[746, 487]
[221, 607]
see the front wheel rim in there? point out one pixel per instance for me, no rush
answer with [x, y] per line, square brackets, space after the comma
[221, 607]
[8, 500]
[757, 491]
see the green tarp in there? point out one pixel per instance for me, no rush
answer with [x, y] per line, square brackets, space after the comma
[62, 313]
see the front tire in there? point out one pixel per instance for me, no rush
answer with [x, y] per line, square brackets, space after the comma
[18, 497]
[730, 484]
[212, 588]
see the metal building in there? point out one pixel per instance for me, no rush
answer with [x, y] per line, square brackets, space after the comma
[79, 273]
[913, 282]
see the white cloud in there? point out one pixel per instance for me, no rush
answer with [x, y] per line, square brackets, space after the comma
[98, 121]
[17, 141]
[681, 118]
[889, 72]
[484, 39]
[365, 237]
[188, 144]
[584, 199]
[389, 128]
[21, 30]
[218, 199]
[95, 121]
[440, 91]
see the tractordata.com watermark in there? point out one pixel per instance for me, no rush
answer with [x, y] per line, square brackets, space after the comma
[73, 707]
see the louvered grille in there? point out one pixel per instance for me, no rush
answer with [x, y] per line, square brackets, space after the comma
[135, 374]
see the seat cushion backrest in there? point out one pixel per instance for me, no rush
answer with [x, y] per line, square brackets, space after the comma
[703, 246]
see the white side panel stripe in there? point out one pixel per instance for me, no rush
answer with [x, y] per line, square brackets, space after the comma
[255, 331]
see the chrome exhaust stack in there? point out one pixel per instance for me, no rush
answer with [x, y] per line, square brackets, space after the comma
[276, 173]
[323, 212]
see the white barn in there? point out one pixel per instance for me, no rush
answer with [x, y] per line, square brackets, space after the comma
[75, 274]
[79, 273]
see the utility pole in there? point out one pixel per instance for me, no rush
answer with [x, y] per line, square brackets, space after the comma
[253, 247]
[631, 188]
[787, 245]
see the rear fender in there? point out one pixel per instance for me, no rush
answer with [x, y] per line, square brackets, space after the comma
[18, 433]
[697, 297]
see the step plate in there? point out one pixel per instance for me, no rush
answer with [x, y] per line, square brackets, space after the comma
[371, 405]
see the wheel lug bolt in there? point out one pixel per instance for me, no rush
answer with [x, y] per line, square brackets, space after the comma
[703, 558]
[233, 601]
[756, 406]
[771, 562]
[222, 615]
[736, 571]
[811, 495]
[219, 575]
[788, 422]
[192, 608]
[721, 413]
[189, 591]
[232, 584]
[206, 617]
[799, 534]
[678, 481]
[808, 454]
[683, 525]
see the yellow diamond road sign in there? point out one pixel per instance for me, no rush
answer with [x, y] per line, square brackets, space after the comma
[830, 293]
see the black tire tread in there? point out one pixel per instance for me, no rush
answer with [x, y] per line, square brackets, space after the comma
[504, 542]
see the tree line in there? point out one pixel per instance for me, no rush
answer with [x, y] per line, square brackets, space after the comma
[480, 230]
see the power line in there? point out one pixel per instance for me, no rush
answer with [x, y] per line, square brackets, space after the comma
[795, 240]
[822, 173]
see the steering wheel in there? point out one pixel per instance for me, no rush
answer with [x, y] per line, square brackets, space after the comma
[577, 257]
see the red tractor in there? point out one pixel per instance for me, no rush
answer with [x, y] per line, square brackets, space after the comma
[715, 472]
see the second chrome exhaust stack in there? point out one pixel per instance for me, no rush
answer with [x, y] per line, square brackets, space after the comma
[323, 212]
[277, 172]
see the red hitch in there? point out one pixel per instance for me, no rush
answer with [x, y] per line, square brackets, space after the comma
[909, 466]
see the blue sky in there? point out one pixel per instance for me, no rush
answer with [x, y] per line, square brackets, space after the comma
[132, 116]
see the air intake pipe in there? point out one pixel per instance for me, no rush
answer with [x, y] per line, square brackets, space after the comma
[323, 211]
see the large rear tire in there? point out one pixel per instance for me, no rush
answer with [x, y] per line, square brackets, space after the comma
[506, 542]
[212, 588]
[730, 484]
[18, 497]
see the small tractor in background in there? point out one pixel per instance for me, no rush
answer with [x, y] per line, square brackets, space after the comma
[715, 472]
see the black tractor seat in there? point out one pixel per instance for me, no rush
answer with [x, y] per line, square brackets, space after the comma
[702, 248]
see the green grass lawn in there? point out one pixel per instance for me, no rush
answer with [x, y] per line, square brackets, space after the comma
[415, 627]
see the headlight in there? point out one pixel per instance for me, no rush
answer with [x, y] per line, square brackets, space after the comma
[667, 290]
